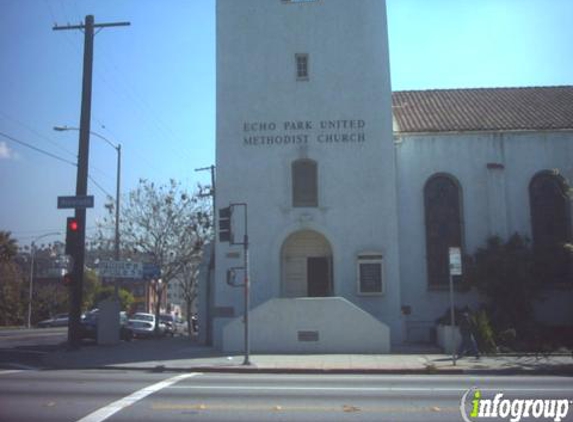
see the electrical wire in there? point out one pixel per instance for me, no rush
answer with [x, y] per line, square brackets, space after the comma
[49, 154]
[35, 132]
[38, 149]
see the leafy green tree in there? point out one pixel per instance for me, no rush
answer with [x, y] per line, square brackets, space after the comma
[91, 288]
[503, 272]
[49, 299]
[126, 299]
[12, 283]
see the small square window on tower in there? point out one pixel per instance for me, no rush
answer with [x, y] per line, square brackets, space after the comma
[301, 67]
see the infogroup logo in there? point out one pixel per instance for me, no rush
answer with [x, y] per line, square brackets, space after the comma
[474, 407]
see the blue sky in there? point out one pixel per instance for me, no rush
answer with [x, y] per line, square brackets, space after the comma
[154, 85]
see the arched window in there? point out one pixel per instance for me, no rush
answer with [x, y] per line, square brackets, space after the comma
[550, 226]
[304, 183]
[442, 206]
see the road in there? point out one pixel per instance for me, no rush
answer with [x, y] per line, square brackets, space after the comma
[25, 347]
[114, 395]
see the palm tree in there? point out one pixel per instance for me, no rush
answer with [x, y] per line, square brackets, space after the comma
[8, 246]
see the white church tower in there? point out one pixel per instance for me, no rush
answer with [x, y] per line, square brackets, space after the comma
[304, 138]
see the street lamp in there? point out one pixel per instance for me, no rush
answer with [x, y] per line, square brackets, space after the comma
[30, 289]
[118, 149]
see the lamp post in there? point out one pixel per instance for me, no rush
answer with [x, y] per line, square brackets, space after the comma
[31, 287]
[118, 149]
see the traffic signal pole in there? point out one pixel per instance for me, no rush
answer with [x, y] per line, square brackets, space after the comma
[82, 175]
[226, 235]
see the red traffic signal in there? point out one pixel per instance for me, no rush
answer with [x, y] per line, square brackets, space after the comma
[73, 224]
[72, 236]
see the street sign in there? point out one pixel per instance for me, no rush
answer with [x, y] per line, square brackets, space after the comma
[455, 261]
[120, 269]
[75, 201]
[151, 271]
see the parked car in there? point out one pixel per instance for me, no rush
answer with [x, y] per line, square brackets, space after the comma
[169, 321]
[59, 320]
[142, 324]
[89, 326]
[173, 324]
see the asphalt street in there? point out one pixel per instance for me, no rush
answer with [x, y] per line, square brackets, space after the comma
[114, 395]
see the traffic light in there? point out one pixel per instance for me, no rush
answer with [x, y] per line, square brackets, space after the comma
[72, 236]
[67, 279]
[225, 229]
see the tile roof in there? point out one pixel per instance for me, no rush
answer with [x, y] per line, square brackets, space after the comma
[483, 109]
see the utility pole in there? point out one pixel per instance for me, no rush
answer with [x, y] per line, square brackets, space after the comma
[209, 291]
[82, 174]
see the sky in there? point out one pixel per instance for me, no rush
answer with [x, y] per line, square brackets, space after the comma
[154, 86]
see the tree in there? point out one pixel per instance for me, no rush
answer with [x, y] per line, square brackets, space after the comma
[504, 273]
[91, 289]
[126, 299]
[12, 286]
[8, 246]
[165, 225]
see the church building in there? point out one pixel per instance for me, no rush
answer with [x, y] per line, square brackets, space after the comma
[354, 193]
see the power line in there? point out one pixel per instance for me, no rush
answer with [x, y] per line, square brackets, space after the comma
[99, 186]
[135, 98]
[49, 154]
[142, 157]
[34, 131]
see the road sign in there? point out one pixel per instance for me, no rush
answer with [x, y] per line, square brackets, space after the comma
[75, 201]
[455, 261]
[120, 269]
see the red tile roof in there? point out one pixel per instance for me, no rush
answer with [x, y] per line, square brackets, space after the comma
[484, 109]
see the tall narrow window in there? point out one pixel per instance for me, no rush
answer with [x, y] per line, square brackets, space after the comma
[442, 206]
[304, 183]
[550, 226]
[301, 61]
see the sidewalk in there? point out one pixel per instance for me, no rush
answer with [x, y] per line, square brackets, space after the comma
[180, 354]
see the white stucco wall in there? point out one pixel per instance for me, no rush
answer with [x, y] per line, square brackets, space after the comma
[495, 201]
[349, 81]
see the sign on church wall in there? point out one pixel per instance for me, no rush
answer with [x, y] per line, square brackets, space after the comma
[303, 132]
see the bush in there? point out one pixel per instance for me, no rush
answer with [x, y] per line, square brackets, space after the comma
[503, 272]
[484, 332]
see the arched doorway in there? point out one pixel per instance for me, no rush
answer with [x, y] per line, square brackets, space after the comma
[306, 259]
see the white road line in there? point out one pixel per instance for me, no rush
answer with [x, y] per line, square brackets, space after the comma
[112, 408]
[349, 389]
[11, 371]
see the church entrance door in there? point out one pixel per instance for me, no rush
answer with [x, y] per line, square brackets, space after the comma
[306, 259]
[318, 277]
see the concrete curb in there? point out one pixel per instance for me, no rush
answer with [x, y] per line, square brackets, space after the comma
[256, 370]
[253, 369]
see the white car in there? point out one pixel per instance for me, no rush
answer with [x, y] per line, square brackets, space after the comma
[142, 324]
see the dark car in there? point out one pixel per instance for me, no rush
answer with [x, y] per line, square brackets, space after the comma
[60, 320]
[89, 326]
